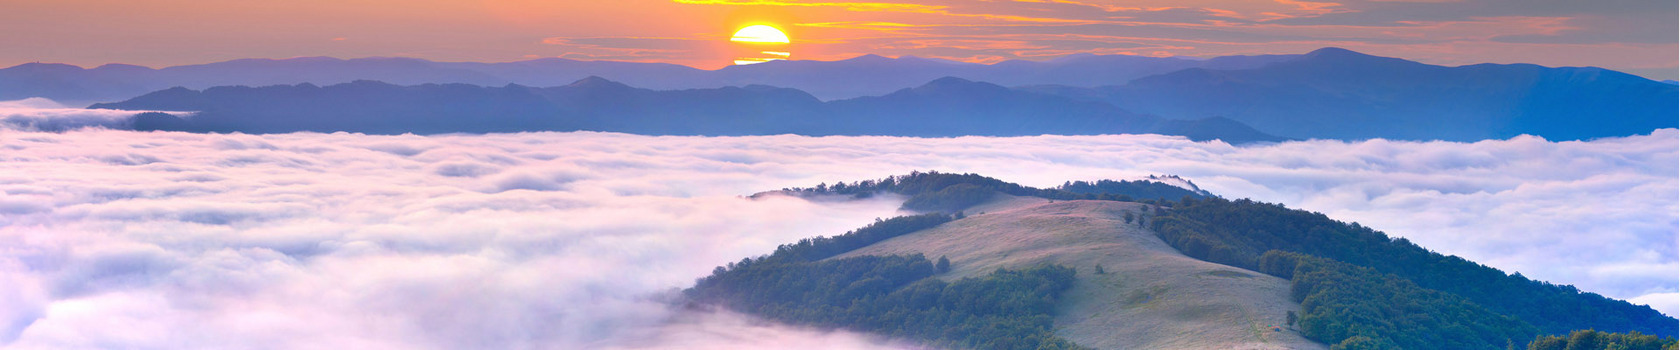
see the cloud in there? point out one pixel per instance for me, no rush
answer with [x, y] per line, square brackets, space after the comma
[728, 331]
[634, 49]
[312, 240]
[1435, 32]
[1660, 301]
[43, 114]
[566, 240]
[33, 103]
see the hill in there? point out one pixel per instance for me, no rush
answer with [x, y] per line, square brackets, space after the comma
[1192, 273]
[944, 107]
[1339, 94]
[1149, 297]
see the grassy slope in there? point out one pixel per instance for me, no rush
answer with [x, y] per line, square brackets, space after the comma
[1152, 297]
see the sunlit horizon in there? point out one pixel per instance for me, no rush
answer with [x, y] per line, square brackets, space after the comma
[1636, 38]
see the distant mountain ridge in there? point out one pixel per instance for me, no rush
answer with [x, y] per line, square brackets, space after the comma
[1339, 94]
[867, 75]
[943, 108]
[1329, 93]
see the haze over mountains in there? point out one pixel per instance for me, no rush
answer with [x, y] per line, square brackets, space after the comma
[942, 108]
[1327, 94]
[868, 75]
[1340, 94]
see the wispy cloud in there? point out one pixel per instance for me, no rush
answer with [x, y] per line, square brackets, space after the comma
[1617, 34]
[46, 115]
[849, 6]
[631, 49]
[1445, 31]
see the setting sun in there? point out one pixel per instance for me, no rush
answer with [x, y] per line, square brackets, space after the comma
[765, 43]
[760, 34]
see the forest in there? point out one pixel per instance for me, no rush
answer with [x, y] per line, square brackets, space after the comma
[897, 296]
[1138, 189]
[1596, 340]
[1353, 307]
[1242, 233]
[820, 247]
[934, 191]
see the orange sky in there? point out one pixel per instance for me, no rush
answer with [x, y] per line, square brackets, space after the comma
[1637, 36]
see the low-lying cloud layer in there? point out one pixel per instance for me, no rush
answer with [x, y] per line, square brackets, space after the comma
[568, 240]
[47, 115]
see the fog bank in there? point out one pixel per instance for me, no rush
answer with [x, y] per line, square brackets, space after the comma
[566, 240]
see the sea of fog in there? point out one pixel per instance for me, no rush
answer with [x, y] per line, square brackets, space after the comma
[120, 239]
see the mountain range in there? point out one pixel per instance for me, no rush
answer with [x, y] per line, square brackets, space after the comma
[868, 75]
[1340, 94]
[941, 108]
[1329, 93]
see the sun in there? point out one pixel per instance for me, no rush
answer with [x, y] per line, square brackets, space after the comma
[760, 33]
[761, 43]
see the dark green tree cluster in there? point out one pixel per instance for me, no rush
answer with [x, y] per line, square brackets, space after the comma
[1357, 307]
[915, 183]
[1238, 232]
[951, 199]
[1595, 340]
[817, 248]
[936, 191]
[1140, 189]
[896, 296]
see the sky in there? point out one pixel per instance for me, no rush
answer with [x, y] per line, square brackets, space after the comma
[1635, 36]
[121, 239]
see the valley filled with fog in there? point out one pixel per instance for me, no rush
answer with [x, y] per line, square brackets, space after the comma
[158, 239]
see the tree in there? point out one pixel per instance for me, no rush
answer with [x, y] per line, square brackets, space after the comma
[1100, 270]
[943, 266]
[1128, 216]
[1596, 340]
[897, 296]
[1289, 319]
[1360, 342]
[1244, 230]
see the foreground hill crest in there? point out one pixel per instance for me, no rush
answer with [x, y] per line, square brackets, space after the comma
[1129, 272]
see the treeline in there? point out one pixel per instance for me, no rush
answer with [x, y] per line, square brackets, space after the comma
[818, 248]
[946, 192]
[893, 295]
[1354, 307]
[951, 199]
[1238, 232]
[1596, 340]
[1140, 189]
[896, 296]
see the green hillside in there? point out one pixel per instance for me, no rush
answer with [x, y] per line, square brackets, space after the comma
[894, 295]
[1355, 287]
[1240, 233]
